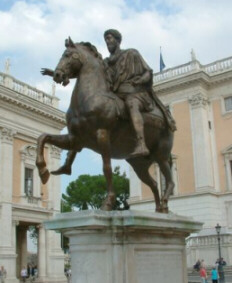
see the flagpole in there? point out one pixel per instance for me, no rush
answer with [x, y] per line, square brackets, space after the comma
[162, 65]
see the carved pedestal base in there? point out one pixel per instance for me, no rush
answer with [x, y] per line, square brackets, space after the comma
[126, 247]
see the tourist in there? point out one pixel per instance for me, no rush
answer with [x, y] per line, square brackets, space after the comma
[24, 274]
[197, 265]
[203, 275]
[2, 274]
[214, 275]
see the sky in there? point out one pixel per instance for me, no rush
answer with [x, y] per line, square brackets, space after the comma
[33, 34]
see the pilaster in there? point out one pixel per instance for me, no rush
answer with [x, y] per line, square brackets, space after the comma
[201, 142]
[54, 193]
[6, 159]
[6, 183]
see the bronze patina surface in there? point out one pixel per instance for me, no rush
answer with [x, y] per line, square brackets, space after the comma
[113, 111]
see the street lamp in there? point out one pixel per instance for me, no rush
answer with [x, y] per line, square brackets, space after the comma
[220, 262]
[218, 230]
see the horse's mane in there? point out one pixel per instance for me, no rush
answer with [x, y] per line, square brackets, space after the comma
[92, 49]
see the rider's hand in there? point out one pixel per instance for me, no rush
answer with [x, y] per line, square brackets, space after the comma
[48, 72]
[136, 81]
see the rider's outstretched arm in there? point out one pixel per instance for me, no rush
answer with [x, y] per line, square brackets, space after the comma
[47, 72]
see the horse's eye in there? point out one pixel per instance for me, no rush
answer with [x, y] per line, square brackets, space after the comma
[75, 56]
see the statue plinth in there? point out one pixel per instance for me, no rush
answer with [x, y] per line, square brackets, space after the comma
[126, 246]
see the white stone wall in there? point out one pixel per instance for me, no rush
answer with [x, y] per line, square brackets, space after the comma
[25, 113]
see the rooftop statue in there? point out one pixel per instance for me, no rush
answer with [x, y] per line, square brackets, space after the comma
[113, 111]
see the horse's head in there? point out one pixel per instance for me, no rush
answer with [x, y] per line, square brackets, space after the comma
[69, 64]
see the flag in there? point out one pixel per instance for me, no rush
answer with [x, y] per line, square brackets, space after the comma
[162, 65]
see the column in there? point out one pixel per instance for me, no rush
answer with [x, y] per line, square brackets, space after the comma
[202, 152]
[22, 247]
[42, 246]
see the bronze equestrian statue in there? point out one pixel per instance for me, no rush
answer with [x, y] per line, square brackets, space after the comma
[113, 111]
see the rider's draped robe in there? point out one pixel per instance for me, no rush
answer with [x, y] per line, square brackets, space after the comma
[125, 67]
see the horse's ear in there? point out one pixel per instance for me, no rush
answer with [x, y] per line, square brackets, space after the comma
[69, 42]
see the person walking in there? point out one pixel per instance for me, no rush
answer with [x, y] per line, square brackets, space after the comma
[214, 275]
[2, 274]
[203, 275]
[24, 274]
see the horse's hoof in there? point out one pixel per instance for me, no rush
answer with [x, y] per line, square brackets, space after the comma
[106, 207]
[44, 175]
[159, 209]
[165, 210]
[62, 170]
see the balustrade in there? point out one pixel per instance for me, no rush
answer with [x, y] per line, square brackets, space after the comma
[208, 240]
[193, 66]
[27, 90]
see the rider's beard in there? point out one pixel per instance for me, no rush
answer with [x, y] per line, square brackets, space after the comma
[111, 47]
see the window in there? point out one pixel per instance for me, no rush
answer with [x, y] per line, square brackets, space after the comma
[28, 184]
[228, 167]
[228, 103]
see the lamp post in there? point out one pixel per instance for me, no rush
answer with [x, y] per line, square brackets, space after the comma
[220, 262]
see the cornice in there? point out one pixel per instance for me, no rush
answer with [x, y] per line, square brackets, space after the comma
[184, 81]
[188, 80]
[29, 209]
[31, 106]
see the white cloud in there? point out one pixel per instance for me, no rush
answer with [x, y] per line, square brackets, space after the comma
[37, 31]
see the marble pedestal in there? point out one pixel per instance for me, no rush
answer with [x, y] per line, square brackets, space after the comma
[126, 246]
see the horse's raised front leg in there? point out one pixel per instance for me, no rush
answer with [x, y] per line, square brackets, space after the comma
[61, 141]
[104, 146]
[66, 168]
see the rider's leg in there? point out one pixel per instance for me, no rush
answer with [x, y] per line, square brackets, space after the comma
[134, 106]
[67, 167]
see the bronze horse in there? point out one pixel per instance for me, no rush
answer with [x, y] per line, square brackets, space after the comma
[97, 119]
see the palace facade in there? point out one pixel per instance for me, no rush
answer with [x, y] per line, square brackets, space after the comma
[25, 113]
[200, 99]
